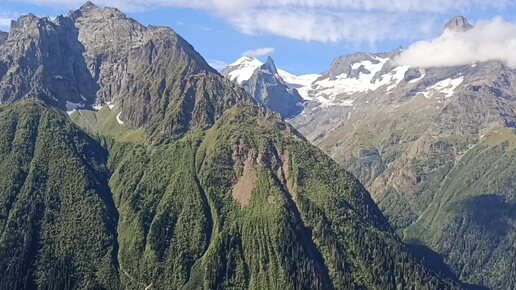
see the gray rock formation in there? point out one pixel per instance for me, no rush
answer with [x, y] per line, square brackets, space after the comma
[351, 66]
[458, 24]
[269, 89]
[3, 37]
[98, 55]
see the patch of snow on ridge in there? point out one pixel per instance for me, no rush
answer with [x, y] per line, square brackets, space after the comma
[325, 102]
[343, 84]
[302, 83]
[244, 69]
[423, 75]
[397, 75]
[366, 63]
[446, 87]
[118, 119]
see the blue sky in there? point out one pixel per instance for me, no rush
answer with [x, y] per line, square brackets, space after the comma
[306, 35]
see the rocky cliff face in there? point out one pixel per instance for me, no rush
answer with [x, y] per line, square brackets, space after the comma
[266, 84]
[268, 88]
[97, 56]
[3, 37]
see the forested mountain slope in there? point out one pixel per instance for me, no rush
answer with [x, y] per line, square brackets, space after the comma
[169, 176]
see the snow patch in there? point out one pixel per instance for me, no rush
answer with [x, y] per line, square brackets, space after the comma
[342, 84]
[118, 119]
[98, 107]
[73, 107]
[397, 75]
[302, 83]
[365, 63]
[446, 87]
[423, 75]
[327, 91]
[243, 69]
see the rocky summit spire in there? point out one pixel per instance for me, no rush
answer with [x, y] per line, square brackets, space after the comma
[88, 6]
[270, 66]
[458, 24]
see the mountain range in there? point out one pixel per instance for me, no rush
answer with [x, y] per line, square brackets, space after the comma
[435, 146]
[129, 163]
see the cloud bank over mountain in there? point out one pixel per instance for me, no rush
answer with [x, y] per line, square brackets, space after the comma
[487, 40]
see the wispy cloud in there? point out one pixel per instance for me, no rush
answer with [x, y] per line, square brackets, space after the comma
[488, 40]
[217, 64]
[438, 6]
[333, 27]
[356, 21]
[262, 51]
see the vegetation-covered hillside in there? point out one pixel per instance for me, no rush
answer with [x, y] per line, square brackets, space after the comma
[246, 204]
[168, 176]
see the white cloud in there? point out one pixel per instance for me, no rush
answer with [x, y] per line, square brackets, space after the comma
[488, 40]
[237, 5]
[262, 51]
[217, 64]
[5, 20]
[333, 27]
[355, 21]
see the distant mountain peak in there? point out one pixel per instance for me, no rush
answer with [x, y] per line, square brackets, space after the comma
[244, 59]
[88, 5]
[89, 9]
[458, 24]
[270, 66]
[242, 69]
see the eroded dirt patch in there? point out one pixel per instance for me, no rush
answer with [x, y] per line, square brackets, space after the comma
[243, 189]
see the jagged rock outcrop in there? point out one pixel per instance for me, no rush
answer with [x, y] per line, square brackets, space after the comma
[268, 88]
[99, 55]
[458, 24]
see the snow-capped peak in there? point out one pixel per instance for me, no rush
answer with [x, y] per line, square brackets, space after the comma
[242, 69]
